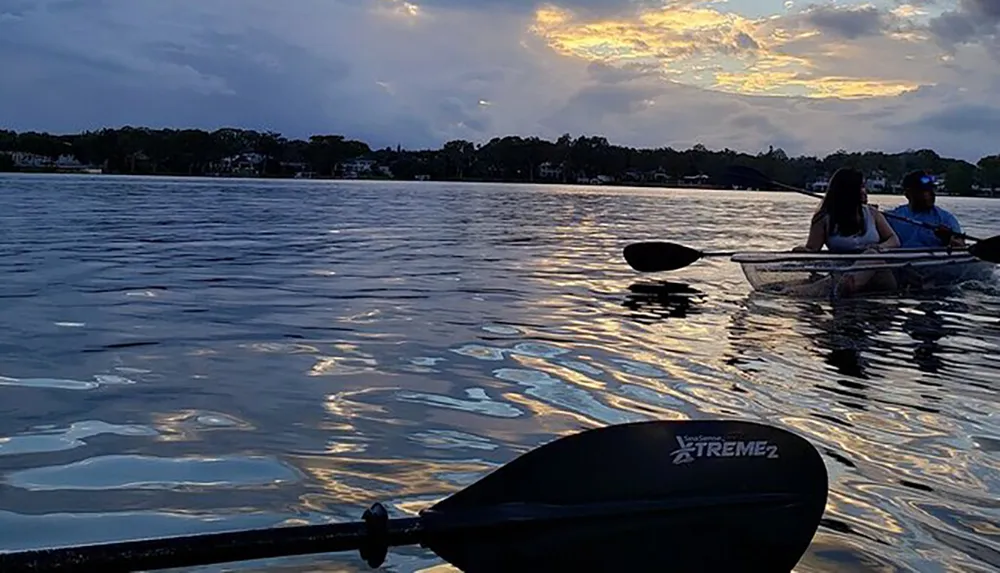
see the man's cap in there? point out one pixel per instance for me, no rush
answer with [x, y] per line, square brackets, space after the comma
[918, 180]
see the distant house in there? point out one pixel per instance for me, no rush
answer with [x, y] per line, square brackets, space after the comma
[25, 159]
[549, 170]
[877, 182]
[69, 162]
[634, 175]
[241, 164]
[356, 167]
[660, 175]
[700, 180]
[819, 185]
[64, 162]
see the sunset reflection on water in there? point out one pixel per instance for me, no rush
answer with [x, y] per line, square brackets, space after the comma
[393, 343]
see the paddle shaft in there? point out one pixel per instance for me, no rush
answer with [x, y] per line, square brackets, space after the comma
[371, 538]
[886, 213]
[208, 549]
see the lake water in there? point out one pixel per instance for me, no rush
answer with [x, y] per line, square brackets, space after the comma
[197, 355]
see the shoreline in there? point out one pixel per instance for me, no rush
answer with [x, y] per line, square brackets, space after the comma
[623, 184]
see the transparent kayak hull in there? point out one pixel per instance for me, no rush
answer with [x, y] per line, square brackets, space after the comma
[825, 274]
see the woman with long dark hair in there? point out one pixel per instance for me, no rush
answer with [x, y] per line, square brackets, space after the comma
[845, 223]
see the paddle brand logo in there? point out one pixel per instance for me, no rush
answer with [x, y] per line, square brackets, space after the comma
[692, 447]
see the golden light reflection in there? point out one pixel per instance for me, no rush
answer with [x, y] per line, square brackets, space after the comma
[414, 507]
[186, 425]
[542, 411]
[354, 481]
[751, 56]
[559, 372]
[355, 362]
[280, 348]
[345, 407]
[645, 408]
[900, 425]
[443, 568]
[861, 513]
[340, 448]
[939, 464]
[342, 365]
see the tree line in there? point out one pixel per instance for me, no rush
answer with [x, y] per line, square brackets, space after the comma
[230, 151]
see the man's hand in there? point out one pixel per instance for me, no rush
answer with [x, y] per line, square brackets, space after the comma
[944, 234]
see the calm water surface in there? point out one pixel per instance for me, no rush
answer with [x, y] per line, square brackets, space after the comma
[197, 355]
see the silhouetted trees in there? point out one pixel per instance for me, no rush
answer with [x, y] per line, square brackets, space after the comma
[243, 152]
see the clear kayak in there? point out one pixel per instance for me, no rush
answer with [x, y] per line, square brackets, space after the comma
[825, 274]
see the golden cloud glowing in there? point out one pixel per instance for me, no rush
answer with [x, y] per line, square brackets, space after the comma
[786, 83]
[717, 50]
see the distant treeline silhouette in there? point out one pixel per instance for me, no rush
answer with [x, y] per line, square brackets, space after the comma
[590, 159]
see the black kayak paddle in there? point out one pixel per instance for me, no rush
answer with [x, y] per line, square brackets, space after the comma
[677, 495]
[657, 256]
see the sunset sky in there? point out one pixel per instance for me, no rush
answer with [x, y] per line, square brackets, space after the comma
[810, 77]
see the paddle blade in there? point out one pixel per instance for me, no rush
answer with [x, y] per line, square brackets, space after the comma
[677, 496]
[656, 256]
[987, 249]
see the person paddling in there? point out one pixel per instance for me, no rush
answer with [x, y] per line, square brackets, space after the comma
[918, 186]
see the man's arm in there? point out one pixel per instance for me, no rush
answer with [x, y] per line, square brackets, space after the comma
[947, 231]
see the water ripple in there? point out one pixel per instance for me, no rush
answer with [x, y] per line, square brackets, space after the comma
[205, 354]
[145, 472]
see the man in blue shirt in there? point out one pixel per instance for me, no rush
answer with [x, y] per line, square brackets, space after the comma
[918, 187]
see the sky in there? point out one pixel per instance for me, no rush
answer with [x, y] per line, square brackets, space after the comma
[808, 77]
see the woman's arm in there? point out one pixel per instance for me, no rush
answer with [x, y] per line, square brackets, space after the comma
[817, 236]
[887, 237]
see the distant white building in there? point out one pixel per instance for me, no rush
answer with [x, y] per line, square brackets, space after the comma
[356, 167]
[25, 159]
[877, 182]
[68, 162]
[64, 162]
[819, 185]
[549, 170]
[242, 164]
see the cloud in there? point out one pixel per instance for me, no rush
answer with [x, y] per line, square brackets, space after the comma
[971, 21]
[968, 119]
[739, 74]
[590, 8]
[848, 22]
[798, 54]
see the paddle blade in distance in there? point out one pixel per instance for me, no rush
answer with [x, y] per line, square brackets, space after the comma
[664, 496]
[987, 249]
[747, 176]
[656, 256]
